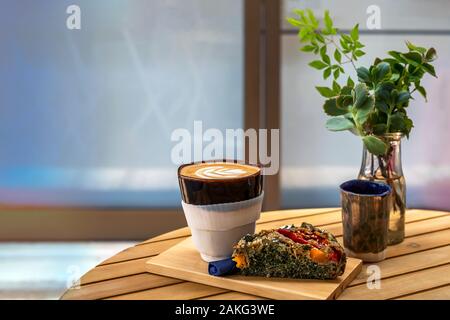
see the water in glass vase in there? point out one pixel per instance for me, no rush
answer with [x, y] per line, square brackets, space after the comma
[388, 169]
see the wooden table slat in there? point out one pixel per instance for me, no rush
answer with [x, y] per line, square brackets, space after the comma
[112, 271]
[441, 293]
[137, 252]
[181, 291]
[419, 243]
[233, 295]
[401, 285]
[407, 263]
[137, 282]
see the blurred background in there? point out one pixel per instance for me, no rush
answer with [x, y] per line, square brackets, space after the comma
[86, 117]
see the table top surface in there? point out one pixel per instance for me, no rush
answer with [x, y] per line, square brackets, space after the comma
[417, 268]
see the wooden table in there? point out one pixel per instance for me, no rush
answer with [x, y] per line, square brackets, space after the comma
[417, 268]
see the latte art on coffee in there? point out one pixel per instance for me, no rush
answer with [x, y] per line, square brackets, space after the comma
[218, 170]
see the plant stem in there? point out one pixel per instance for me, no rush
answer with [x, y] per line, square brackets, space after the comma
[388, 122]
[350, 59]
[384, 172]
[359, 129]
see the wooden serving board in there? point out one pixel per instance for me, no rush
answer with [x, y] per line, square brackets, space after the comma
[183, 261]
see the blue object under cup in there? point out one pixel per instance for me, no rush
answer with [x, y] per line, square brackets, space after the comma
[222, 267]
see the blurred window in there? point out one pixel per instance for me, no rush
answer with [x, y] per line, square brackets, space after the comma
[86, 115]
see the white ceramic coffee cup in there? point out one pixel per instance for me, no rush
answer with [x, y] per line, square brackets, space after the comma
[216, 228]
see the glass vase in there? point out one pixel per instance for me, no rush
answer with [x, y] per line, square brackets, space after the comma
[388, 169]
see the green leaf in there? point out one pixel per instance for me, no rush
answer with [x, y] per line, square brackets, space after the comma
[326, 92]
[303, 34]
[413, 58]
[359, 45]
[393, 96]
[363, 74]
[415, 48]
[344, 44]
[395, 77]
[324, 56]
[346, 90]
[400, 123]
[379, 128]
[323, 51]
[312, 18]
[301, 14]
[317, 64]
[364, 110]
[327, 73]
[431, 55]
[360, 95]
[397, 122]
[390, 61]
[397, 56]
[422, 91]
[408, 126]
[336, 87]
[375, 145]
[294, 22]
[328, 22]
[339, 124]
[355, 33]
[336, 73]
[344, 101]
[308, 48]
[381, 71]
[350, 82]
[430, 69]
[320, 38]
[359, 53]
[383, 91]
[337, 56]
[330, 107]
[378, 117]
[347, 39]
[381, 105]
[403, 97]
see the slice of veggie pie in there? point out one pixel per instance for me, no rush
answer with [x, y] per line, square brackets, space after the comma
[304, 252]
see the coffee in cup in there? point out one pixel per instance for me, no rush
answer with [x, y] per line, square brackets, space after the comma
[221, 202]
[207, 183]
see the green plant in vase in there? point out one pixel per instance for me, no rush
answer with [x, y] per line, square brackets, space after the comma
[374, 107]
